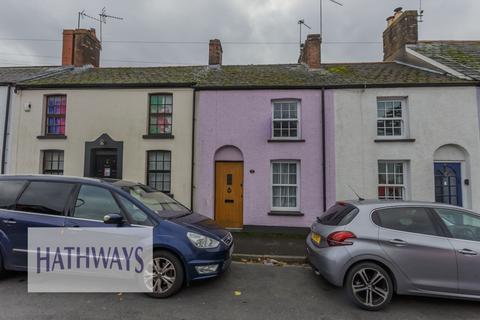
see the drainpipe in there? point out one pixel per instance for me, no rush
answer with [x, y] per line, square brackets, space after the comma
[193, 148]
[324, 157]
[5, 129]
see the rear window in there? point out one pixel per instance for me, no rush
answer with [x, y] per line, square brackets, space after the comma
[9, 192]
[339, 215]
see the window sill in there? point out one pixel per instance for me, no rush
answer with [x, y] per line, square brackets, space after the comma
[286, 213]
[285, 140]
[394, 140]
[158, 136]
[54, 137]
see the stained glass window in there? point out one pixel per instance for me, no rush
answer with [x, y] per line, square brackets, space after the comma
[55, 115]
[160, 115]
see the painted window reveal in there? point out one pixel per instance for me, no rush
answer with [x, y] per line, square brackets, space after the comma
[55, 115]
[390, 118]
[159, 170]
[391, 180]
[160, 114]
[285, 185]
[53, 162]
[286, 123]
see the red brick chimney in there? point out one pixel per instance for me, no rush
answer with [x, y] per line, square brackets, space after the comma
[215, 52]
[80, 47]
[311, 53]
[402, 29]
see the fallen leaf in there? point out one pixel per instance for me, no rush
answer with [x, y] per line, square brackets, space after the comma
[237, 293]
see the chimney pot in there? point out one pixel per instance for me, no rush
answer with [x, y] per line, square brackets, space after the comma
[80, 47]
[215, 52]
[310, 52]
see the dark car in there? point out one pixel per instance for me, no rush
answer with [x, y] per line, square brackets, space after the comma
[187, 245]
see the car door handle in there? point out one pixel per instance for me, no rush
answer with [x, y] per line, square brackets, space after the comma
[9, 221]
[468, 252]
[398, 242]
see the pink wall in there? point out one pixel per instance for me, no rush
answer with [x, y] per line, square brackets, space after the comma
[243, 119]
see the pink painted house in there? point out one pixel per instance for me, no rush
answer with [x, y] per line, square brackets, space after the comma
[259, 153]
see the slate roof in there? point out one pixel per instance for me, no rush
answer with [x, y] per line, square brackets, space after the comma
[461, 56]
[9, 75]
[379, 74]
[119, 76]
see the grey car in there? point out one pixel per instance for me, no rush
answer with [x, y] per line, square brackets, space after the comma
[375, 249]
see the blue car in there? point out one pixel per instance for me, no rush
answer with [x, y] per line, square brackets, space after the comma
[188, 246]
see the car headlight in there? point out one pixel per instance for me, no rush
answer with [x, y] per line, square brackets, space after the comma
[201, 241]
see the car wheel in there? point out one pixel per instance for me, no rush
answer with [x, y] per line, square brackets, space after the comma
[167, 275]
[369, 286]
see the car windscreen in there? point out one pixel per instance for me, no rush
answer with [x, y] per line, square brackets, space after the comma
[154, 199]
[338, 215]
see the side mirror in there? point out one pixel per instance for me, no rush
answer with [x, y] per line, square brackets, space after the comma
[113, 218]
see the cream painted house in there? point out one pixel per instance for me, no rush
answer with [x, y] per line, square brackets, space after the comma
[124, 123]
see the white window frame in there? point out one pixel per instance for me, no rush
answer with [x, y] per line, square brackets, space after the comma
[299, 125]
[403, 186]
[297, 185]
[404, 118]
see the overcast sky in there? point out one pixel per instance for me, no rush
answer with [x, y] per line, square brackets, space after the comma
[237, 21]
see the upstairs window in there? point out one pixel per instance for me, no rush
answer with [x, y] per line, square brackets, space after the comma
[160, 114]
[391, 118]
[53, 162]
[55, 115]
[286, 124]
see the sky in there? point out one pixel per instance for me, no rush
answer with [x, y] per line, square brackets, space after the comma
[251, 31]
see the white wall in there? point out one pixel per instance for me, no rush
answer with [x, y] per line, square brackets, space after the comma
[436, 117]
[122, 114]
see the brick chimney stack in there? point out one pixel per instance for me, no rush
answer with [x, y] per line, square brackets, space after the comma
[215, 52]
[402, 29]
[80, 47]
[311, 51]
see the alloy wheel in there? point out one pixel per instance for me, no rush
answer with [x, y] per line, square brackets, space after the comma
[370, 287]
[162, 277]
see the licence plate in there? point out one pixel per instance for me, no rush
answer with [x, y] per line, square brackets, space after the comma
[316, 238]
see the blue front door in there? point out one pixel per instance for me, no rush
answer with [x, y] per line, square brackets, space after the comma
[448, 183]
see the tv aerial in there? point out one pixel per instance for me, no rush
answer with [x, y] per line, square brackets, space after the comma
[321, 13]
[102, 19]
[420, 12]
[301, 23]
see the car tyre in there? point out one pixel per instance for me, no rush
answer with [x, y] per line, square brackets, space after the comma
[168, 274]
[369, 286]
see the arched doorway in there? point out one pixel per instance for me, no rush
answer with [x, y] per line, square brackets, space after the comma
[449, 172]
[229, 187]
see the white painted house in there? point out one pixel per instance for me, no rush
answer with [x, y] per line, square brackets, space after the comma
[419, 143]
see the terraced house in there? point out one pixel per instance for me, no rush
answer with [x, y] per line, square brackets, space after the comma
[258, 145]
[277, 144]
[122, 123]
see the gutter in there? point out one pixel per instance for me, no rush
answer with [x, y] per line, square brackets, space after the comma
[324, 156]
[5, 129]
[193, 148]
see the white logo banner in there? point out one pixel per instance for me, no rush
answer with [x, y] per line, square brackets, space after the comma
[90, 259]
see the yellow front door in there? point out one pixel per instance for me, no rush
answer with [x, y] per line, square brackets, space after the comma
[229, 194]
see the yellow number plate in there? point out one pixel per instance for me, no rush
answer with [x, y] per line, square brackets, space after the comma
[316, 238]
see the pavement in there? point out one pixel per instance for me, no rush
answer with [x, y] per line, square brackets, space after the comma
[270, 244]
[246, 291]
